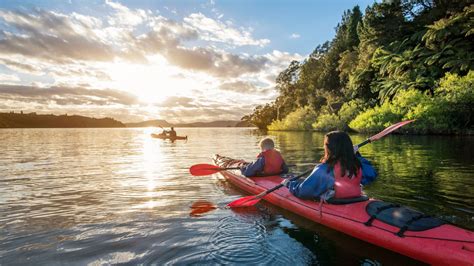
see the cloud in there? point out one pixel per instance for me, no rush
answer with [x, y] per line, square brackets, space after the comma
[53, 37]
[177, 101]
[295, 36]
[216, 63]
[7, 77]
[21, 67]
[167, 37]
[244, 87]
[66, 95]
[124, 16]
[71, 39]
[68, 58]
[77, 71]
[216, 31]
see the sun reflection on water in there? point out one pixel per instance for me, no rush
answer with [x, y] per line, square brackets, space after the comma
[153, 163]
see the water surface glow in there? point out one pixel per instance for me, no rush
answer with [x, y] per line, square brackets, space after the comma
[104, 196]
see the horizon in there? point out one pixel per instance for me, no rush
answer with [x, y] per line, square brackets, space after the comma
[124, 122]
[138, 61]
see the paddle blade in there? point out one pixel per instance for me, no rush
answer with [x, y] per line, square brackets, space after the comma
[390, 129]
[201, 207]
[204, 169]
[244, 202]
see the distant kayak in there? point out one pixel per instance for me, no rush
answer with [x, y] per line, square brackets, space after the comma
[384, 224]
[162, 136]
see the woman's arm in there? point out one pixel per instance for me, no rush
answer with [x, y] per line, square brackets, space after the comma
[318, 182]
[368, 171]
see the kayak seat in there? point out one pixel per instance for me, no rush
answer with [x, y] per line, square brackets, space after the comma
[347, 201]
[400, 216]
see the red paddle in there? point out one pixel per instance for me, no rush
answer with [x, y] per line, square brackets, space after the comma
[207, 169]
[252, 200]
[385, 132]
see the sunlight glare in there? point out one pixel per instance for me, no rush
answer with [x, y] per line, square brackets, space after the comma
[152, 83]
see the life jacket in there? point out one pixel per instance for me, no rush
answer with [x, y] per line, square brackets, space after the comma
[344, 186]
[273, 162]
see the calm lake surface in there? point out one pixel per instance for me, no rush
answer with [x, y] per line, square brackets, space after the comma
[111, 196]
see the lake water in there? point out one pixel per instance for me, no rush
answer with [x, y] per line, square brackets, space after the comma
[111, 196]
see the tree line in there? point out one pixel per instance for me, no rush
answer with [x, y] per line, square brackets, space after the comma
[401, 59]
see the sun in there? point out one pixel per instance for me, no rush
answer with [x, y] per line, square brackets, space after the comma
[154, 82]
[147, 83]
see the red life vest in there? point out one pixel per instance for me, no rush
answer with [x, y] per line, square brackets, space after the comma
[344, 186]
[273, 162]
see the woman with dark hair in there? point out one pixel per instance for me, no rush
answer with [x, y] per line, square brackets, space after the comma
[340, 174]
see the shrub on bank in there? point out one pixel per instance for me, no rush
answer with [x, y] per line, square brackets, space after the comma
[449, 110]
[331, 121]
[300, 119]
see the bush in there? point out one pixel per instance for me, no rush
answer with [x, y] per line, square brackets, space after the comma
[458, 94]
[375, 119]
[329, 121]
[300, 119]
[448, 111]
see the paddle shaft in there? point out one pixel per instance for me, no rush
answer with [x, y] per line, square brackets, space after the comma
[235, 168]
[263, 194]
[365, 142]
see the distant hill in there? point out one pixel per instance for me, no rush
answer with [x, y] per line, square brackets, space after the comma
[244, 124]
[164, 123]
[221, 123]
[33, 120]
[150, 123]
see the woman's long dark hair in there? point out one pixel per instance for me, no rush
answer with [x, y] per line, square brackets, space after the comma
[338, 147]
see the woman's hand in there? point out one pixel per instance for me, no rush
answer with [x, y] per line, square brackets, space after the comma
[285, 182]
[356, 148]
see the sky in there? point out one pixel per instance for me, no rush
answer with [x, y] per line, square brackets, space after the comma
[183, 61]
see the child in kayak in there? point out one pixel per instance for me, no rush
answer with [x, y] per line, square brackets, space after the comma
[340, 174]
[269, 161]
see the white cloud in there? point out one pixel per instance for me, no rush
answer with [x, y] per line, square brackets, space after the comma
[295, 36]
[8, 78]
[216, 31]
[124, 16]
[139, 53]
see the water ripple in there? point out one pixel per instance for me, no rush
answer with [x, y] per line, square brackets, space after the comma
[117, 196]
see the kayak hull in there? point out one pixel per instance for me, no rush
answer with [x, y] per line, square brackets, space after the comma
[443, 245]
[159, 136]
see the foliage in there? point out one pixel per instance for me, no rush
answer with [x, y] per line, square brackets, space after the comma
[420, 60]
[390, 60]
[448, 111]
[300, 119]
[339, 121]
[261, 116]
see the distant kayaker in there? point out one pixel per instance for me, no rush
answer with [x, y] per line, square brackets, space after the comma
[340, 174]
[172, 133]
[269, 161]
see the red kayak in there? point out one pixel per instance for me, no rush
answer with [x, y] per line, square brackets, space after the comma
[387, 225]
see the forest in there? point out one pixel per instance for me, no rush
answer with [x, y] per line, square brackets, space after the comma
[33, 120]
[400, 59]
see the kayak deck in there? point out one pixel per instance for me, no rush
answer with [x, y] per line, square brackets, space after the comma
[445, 244]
